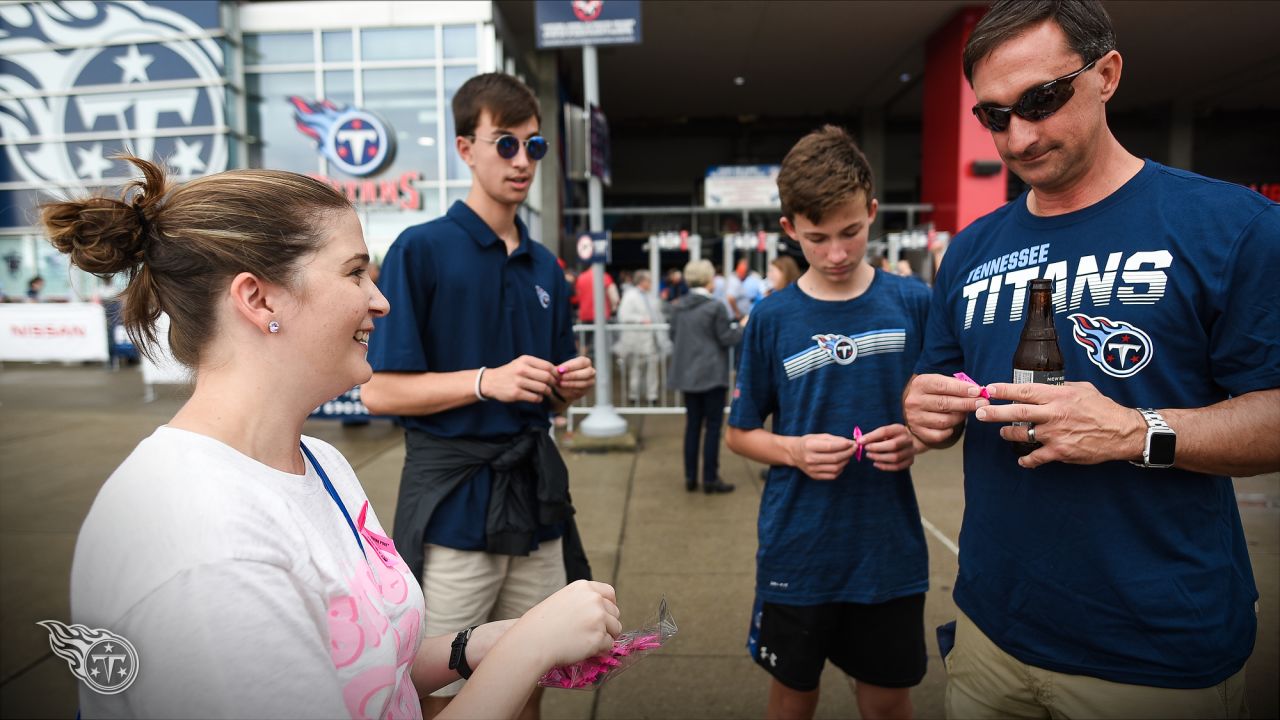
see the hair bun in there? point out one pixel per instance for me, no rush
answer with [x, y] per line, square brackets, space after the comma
[105, 236]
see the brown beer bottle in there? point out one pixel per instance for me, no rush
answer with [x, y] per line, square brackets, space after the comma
[1038, 359]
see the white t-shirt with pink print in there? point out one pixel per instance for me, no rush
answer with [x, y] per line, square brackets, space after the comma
[243, 589]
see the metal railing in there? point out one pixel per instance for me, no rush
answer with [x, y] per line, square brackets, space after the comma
[640, 385]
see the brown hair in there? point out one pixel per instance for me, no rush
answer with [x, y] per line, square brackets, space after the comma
[1084, 22]
[509, 102]
[180, 245]
[823, 171]
[790, 270]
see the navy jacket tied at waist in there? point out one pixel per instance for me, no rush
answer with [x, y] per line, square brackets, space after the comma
[435, 467]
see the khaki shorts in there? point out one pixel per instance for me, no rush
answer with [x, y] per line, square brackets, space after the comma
[984, 681]
[470, 587]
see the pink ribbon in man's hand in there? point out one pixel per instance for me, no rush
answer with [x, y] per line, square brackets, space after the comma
[983, 392]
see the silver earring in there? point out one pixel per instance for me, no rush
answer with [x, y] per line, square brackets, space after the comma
[273, 327]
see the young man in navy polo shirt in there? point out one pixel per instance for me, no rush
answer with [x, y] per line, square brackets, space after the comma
[476, 355]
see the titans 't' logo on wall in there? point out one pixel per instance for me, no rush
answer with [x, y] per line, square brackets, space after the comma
[80, 82]
[356, 141]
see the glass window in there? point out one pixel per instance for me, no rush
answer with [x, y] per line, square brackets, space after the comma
[55, 268]
[382, 227]
[460, 41]
[398, 43]
[431, 201]
[406, 99]
[453, 79]
[278, 48]
[21, 208]
[340, 87]
[455, 194]
[230, 69]
[337, 46]
[280, 145]
[15, 263]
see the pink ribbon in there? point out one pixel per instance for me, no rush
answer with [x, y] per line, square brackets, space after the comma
[592, 670]
[966, 378]
[381, 544]
[857, 438]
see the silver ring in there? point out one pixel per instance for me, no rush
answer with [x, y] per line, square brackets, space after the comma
[1031, 433]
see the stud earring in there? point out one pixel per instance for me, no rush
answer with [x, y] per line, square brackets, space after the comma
[273, 327]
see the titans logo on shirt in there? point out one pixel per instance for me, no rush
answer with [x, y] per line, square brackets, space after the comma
[1117, 348]
[843, 350]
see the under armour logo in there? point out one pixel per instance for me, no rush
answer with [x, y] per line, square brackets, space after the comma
[771, 657]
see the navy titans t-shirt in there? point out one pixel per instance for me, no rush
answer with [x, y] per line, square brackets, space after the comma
[459, 302]
[1162, 300]
[824, 367]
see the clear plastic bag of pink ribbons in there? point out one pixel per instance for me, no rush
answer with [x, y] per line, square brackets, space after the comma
[628, 649]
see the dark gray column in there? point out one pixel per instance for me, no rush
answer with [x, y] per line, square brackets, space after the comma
[1181, 134]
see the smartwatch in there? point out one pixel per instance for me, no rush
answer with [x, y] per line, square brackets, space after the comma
[1158, 450]
[458, 653]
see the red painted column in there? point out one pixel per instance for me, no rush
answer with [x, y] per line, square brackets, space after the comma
[952, 140]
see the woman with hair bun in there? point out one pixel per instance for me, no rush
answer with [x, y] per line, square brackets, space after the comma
[240, 558]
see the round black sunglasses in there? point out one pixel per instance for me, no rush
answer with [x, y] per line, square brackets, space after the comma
[508, 145]
[1035, 104]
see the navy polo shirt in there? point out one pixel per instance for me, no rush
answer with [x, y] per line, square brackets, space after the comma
[459, 302]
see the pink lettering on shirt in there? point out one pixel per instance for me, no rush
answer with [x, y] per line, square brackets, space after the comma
[368, 693]
[358, 624]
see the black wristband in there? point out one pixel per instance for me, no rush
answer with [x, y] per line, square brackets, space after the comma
[458, 653]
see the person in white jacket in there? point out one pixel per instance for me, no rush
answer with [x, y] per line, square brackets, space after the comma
[642, 352]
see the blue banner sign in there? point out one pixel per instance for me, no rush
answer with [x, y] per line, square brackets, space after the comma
[595, 248]
[575, 23]
[601, 158]
[346, 406]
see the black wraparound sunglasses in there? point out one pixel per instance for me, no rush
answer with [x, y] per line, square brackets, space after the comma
[508, 145]
[1035, 104]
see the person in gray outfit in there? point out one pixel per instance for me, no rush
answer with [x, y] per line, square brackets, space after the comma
[702, 334]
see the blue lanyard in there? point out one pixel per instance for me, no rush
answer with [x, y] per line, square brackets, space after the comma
[333, 494]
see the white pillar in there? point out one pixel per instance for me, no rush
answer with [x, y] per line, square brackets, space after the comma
[603, 420]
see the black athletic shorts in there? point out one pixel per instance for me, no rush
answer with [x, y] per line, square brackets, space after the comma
[880, 644]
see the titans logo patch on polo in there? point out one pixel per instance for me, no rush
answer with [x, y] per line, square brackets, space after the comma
[544, 297]
[843, 350]
[1117, 348]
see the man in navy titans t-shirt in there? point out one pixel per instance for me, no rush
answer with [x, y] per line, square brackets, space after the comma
[1106, 572]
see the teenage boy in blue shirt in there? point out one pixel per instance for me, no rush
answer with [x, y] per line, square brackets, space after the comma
[842, 569]
[477, 354]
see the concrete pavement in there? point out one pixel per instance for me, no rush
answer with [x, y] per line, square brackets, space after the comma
[63, 429]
